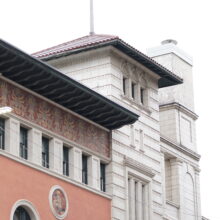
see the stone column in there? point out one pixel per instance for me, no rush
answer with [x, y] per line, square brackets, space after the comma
[35, 146]
[94, 172]
[12, 136]
[137, 93]
[177, 184]
[131, 199]
[128, 87]
[139, 201]
[197, 193]
[55, 155]
[71, 163]
[146, 204]
[77, 164]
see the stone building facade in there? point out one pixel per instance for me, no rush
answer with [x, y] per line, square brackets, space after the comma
[54, 146]
[135, 126]
[154, 171]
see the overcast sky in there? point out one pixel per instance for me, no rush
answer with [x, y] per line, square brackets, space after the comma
[35, 25]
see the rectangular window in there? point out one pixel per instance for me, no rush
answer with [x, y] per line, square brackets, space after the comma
[102, 177]
[45, 152]
[142, 95]
[133, 90]
[124, 85]
[85, 169]
[2, 134]
[66, 161]
[23, 143]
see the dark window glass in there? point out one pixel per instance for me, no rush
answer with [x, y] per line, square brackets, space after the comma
[142, 95]
[124, 85]
[84, 169]
[132, 90]
[45, 152]
[21, 214]
[102, 177]
[2, 134]
[24, 143]
[66, 161]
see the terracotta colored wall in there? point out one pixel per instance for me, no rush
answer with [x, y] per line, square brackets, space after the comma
[54, 119]
[18, 181]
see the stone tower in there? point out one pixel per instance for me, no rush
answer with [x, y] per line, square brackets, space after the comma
[177, 117]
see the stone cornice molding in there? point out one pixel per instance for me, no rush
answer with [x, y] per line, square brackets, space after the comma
[140, 167]
[181, 108]
[181, 148]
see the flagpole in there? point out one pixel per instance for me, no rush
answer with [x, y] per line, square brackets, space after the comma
[91, 18]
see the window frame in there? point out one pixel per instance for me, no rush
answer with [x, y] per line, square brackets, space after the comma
[85, 169]
[2, 133]
[103, 177]
[23, 146]
[65, 161]
[45, 152]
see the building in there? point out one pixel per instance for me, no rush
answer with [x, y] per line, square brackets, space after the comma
[151, 166]
[55, 145]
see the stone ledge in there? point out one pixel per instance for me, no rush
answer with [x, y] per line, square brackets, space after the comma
[181, 148]
[181, 108]
[142, 168]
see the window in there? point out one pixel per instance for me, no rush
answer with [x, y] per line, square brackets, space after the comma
[85, 169]
[23, 143]
[133, 90]
[45, 152]
[124, 85]
[2, 134]
[21, 214]
[66, 161]
[102, 177]
[142, 96]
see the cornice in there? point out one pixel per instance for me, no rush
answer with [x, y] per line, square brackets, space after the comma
[181, 148]
[142, 168]
[181, 108]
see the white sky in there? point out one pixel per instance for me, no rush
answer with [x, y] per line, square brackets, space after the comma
[35, 25]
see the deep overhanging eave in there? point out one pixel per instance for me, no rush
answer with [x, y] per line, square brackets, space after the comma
[52, 84]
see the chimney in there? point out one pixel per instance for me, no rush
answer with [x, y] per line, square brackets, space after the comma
[180, 63]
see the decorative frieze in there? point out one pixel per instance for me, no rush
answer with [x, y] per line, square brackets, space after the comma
[131, 71]
[53, 118]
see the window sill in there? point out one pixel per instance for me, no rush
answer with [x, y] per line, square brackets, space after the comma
[137, 104]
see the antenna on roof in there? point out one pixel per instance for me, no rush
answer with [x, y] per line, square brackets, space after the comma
[91, 18]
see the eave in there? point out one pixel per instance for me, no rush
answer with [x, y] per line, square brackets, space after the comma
[45, 80]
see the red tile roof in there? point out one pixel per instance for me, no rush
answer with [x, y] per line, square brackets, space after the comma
[85, 41]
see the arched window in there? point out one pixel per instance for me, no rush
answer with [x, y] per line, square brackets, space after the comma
[24, 210]
[21, 214]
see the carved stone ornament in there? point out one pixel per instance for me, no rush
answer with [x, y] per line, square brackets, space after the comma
[131, 71]
[58, 202]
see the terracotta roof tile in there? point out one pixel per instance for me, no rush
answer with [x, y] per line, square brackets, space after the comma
[85, 41]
